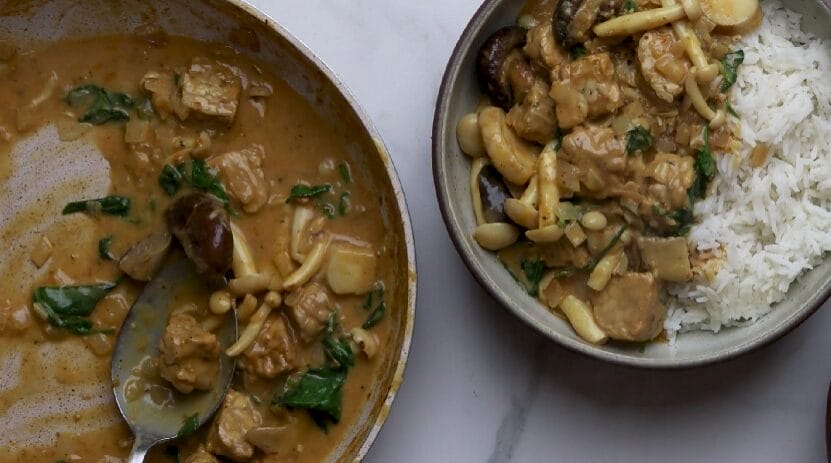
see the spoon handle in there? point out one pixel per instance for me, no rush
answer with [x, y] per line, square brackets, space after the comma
[140, 449]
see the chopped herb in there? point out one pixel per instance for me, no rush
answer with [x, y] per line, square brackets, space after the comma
[308, 191]
[638, 139]
[189, 426]
[204, 179]
[69, 307]
[705, 169]
[171, 178]
[201, 177]
[111, 205]
[104, 248]
[629, 7]
[534, 271]
[99, 105]
[337, 349]
[730, 68]
[345, 172]
[318, 390]
[343, 204]
[375, 303]
[577, 52]
[732, 111]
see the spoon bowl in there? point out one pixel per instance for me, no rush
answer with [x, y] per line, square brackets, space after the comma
[138, 341]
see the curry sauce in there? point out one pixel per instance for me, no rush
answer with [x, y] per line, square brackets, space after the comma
[55, 396]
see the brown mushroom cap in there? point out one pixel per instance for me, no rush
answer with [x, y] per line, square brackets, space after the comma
[491, 67]
[573, 19]
[201, 225]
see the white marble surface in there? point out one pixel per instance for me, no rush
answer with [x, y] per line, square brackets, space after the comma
[481, 387]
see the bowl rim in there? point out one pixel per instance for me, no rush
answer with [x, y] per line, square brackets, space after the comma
[516, 307]
[401, 203]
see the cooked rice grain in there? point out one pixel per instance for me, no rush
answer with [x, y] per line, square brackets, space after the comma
[770, 223]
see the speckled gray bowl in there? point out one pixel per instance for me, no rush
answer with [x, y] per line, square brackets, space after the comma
[459, 94]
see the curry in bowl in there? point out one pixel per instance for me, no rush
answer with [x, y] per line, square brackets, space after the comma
[191, 147]
[633, 168]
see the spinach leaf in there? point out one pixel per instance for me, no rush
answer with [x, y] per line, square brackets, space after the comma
[345, 172]
[308, 191]
[730, 68]
[189, 426]
[200, 176]
[100, 105]
[638, 139]
[171, 178]
[705, 169]
[629, 7]
[111, 205]
[534, 271]
[337, 349]
[204, 179]
[577, 52]
[69, 306]
[374, 302]
[684, 219]
[104, 248]
[318, 390]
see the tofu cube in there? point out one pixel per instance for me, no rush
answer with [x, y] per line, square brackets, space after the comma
[211, 90]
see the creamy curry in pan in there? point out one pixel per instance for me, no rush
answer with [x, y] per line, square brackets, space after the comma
[597, 135]
[184, 147]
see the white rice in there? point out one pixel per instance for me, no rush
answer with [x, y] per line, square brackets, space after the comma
[771, 223]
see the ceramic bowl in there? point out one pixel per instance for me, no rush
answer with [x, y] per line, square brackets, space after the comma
[459, 94]
[33, 21]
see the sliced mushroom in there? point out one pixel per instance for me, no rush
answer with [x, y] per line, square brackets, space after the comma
[494, 62]
[513, 157]
[496, 236]
[201, 225]
[145, 258]
[489, 194]
[573, 19]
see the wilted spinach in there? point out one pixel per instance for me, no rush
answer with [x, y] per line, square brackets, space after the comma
[100, 105]
[69, 307]
[111, 205]
[730, 68]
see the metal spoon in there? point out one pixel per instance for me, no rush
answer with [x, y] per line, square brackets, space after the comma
[139, 338]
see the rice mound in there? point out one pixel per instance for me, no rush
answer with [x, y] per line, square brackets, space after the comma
[767, 224]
